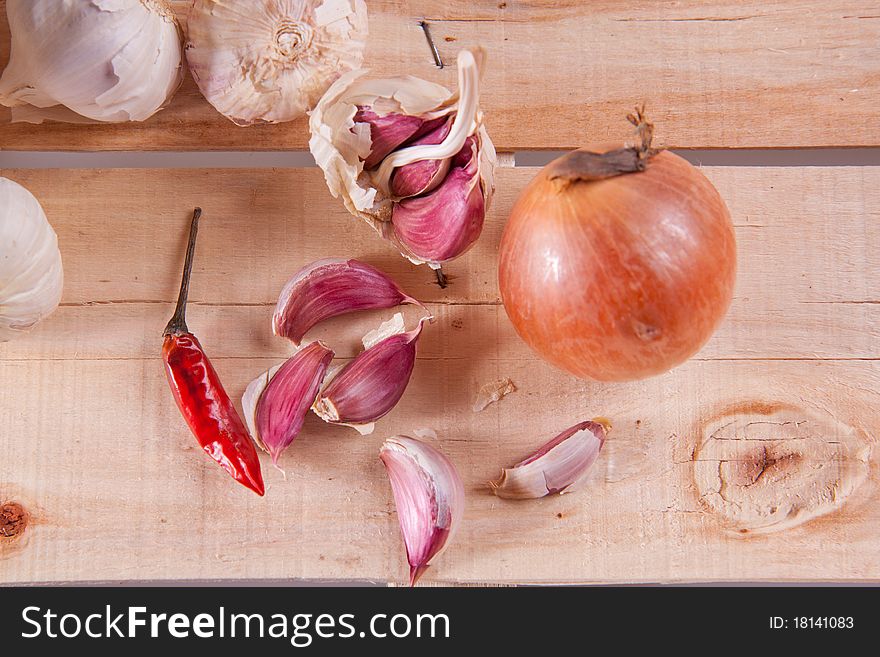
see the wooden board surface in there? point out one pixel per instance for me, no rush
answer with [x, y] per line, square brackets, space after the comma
[714, 74]
[754, 461]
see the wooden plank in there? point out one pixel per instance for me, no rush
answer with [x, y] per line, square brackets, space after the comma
[715, 74]
[95, 451]
[263, 225]
[118, 491]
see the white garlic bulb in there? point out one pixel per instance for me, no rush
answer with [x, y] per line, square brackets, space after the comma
[267, 61]
[91, 60]
[31, 277]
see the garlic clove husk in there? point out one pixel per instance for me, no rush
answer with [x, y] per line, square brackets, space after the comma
[492, 393]
[370, 386]
[423, 175]
[276, 402]
[343, 148]
[559, 466]
[249, 402]
[386, 329]
[429, 496]
[331, 287]
[268, 61]
[91, 60]
[444, 223]
[31, 274]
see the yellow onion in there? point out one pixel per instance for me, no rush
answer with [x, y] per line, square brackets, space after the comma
[618, 264]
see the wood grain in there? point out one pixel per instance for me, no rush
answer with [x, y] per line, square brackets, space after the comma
[115, 488]
[717, 74]
[809, 267]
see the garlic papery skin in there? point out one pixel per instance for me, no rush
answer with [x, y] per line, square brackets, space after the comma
[268, 61]
[276, 402]
[429, 496]
[31, 276]
[370, 386]
[464, 124]
[91, 60]
[382, 143]
[331, 287]
[385, 330]
[560, 466]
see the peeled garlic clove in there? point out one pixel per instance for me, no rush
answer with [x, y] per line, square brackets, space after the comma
[429, 497]
[276, 402]
[31, 276]
[445, 223]
[424, 175]
[557, 467]
[330, 287]
[370, 385]
[267, 61]
[101, 60]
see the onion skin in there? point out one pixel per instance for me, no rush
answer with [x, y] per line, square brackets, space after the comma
[620, 278]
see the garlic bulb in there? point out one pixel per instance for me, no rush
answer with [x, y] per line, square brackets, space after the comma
[31, 277]
[267, 61]
[409, 157]
[98, 60]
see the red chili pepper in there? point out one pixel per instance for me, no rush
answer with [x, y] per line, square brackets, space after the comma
[199, 394]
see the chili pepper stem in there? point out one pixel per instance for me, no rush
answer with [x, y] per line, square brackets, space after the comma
[177, 324]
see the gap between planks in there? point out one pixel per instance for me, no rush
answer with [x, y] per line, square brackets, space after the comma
[725, 157]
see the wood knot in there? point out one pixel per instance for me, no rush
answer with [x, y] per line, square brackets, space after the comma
[13, 520]
[767, 467]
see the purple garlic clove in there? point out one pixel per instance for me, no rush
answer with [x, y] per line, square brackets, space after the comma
[370, 385]
[390, 131]
[429, 496]
[444, 223]
[424, 175]
[558, 467]
[276, 402]
[332, 287]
